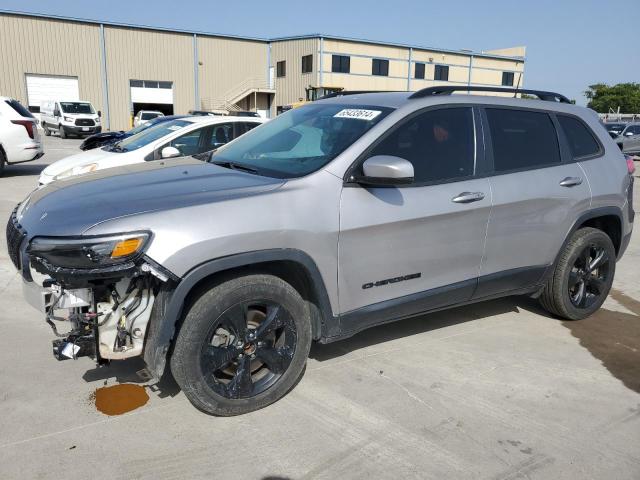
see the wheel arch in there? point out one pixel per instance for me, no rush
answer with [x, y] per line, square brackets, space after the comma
[607, 219]
[292, 265]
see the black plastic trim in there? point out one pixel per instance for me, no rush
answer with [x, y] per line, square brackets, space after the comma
[514, 279]
[157, 345]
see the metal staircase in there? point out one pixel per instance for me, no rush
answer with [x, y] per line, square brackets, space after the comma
[229, 101]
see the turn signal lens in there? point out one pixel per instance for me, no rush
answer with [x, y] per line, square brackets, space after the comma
[126, 247]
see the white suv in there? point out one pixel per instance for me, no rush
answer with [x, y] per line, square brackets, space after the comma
[144, 116]
[19, 136]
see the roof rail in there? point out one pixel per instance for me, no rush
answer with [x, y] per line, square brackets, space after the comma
[448, 90]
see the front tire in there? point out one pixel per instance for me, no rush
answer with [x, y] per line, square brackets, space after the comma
[61, 132]
[243, 345]
[3, 161]
[582, 277]
[46, 130]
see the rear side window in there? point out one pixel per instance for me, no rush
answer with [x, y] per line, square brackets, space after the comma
[439, 144]
[19, 109]
[581, 140]
[522, 139]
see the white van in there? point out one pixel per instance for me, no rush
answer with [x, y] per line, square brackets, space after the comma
[69, 118]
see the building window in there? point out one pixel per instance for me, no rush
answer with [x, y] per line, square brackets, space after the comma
[441, 73]
[281, 68]
[340, 63]
[136, 83]
[380, 67]
[307, 64]
[507, 79]
[419, 71]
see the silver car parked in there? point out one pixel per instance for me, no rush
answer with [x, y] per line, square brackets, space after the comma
[629, 138]
[343, 214]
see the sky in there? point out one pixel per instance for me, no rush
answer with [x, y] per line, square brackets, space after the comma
[571, 44]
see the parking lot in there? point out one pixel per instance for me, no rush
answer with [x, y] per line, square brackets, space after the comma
[494, 390]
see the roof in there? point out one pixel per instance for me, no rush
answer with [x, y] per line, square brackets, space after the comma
[258, 39]
[397, 100]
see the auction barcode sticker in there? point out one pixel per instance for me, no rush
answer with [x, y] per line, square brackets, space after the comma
[357, 113]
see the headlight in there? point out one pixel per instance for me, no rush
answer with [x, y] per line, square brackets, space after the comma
[79, 170]
[90, 252]
[68, 119]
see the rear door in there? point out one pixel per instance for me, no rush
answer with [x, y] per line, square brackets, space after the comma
[538, 193]
[415, 247]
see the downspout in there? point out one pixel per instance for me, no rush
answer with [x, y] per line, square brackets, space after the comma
[470, 69]
[105, 82]
[409, 69]
[321, 62]
[196, 75]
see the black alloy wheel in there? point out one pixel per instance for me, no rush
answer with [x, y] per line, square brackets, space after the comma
[250, 346]
[589, 275]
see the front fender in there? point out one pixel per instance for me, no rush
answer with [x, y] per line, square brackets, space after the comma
[169, 305]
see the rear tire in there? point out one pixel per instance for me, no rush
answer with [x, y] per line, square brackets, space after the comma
[243, 345]
[582, 276]
[61, 132]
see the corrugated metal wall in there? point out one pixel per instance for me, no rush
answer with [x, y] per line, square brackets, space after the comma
[228, 66]
[292, 87]
[49, 47]
[147, 55]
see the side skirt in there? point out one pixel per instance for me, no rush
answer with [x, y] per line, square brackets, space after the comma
[520, 281]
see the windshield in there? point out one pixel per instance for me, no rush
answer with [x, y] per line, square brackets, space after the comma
[301, 140]
[76, 107]
[148, 135]
[149, 115]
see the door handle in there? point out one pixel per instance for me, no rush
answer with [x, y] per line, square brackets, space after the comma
[571, 182]
[468, 197]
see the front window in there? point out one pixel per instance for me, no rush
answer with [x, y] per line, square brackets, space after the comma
[149, 135]
[77, 107]
[301, 140]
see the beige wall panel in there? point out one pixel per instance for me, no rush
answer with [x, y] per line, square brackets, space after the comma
[362, 66]
[49, 47]
[509, 65]
[440, 57]
[355, 48]
[147, 55]
[230, 65]
[358, 82]
[292, 87]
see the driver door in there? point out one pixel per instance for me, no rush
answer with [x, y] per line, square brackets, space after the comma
[407, 249]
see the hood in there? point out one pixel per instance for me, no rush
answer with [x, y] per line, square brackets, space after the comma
[73, 205]
[78, 160]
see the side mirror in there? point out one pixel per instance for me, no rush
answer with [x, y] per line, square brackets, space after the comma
[56, 113]
[386, 170]
[170, 152]
[99, 113]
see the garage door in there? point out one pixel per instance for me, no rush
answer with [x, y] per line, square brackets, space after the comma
[151, 91]
[44, 87]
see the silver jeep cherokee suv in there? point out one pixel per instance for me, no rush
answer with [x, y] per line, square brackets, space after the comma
[343, 214]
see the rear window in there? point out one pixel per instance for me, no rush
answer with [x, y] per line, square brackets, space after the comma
[19, 109]
[522, 139]
[581, 141]
[149, 115]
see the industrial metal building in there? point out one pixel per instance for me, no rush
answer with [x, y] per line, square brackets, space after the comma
[124, 68]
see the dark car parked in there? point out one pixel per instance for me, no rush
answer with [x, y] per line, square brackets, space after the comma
[107, 138]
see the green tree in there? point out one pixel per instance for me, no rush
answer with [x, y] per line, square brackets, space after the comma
[603, 97]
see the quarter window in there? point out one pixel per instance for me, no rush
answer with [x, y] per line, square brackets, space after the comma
[441, 73]
[581, 140]
[340, 63]
[507, 79]
[439, 144]
[307, 63]
[281, 68]
[380, 67]
[419, 70]
[522, 139]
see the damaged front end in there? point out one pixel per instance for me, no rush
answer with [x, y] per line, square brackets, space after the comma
[97, 292]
